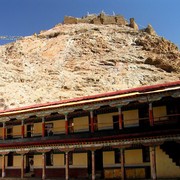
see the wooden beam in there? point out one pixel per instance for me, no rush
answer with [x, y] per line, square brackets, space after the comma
[66, 124]
[151, 117]
[22, 128]
[67, 165]
[43, 165]
[93, 165]
[22, 166]
[153, 162]
[43, 127]
[120, 118]
[3, 166]
[91, 121]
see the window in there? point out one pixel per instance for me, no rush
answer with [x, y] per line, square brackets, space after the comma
[30, 128]
[10, 159]
[117, 156]
[146, 155]
[48, 129]
[9, 132]
[116, 122]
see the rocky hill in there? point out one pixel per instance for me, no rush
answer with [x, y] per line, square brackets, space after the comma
[84, 58]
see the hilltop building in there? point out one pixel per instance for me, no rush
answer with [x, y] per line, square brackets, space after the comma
[127, 134]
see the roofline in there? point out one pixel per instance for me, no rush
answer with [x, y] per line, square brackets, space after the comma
[119, 92]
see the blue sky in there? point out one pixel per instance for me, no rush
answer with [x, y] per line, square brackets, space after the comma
[26, 17]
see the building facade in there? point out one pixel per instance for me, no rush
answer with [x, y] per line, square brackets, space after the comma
[128, 134]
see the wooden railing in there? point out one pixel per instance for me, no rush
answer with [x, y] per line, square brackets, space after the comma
[168, 119]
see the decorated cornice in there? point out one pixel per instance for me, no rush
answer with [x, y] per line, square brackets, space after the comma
[22, 151]
[91, 107]
[119, 103]
[125, 143]
[122, 146]
[4, 152]
[4, 119]
[93, 148]
[154, 97]
[44, 150]
[66, 149]
[158, 143]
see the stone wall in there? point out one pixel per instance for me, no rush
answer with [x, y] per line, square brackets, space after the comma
[133, 24]
[70, 20]
[102, 18]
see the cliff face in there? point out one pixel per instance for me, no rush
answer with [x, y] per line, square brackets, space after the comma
[72, 60]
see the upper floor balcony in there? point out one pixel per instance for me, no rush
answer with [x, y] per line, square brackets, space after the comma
[55, 131]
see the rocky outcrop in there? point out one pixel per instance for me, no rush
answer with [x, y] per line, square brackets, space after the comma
[81, 59]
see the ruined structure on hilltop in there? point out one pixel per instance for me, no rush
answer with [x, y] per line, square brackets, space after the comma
[102, 18]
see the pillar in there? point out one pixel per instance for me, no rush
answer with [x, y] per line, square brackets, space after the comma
[92, 121]
[4, 131]
[93, 166]
[43, 127]
[120, 118]
[122, 164]
[43, 165]
[22, 166]
[3, 166]
[67, 165]
[153, 162]
[66, 124]
[151, 117]
[22, 128]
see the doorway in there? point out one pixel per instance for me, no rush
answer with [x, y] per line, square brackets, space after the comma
[89, 163]
[99, 163]
[30, 164]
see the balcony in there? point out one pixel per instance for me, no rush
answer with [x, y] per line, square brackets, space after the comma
[164, 125]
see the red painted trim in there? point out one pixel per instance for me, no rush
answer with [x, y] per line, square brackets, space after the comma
[92, 124]
[92, 121]
[151, 117]
[120, 121]
[139, 89]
